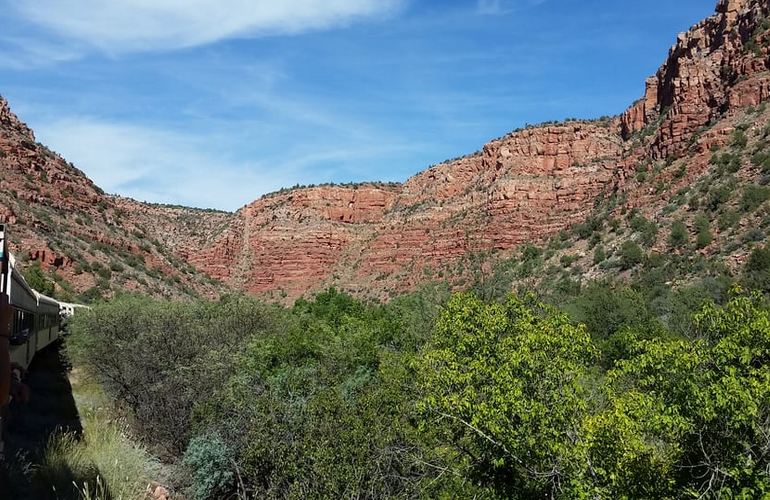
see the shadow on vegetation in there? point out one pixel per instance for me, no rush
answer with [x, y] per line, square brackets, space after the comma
[40, 435]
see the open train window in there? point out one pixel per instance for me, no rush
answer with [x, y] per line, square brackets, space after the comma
[23, 323]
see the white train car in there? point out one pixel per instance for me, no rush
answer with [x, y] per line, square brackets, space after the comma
[67, 310]
[35, 320]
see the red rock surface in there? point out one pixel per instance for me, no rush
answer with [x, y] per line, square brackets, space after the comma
[520, 188]
[710, 70]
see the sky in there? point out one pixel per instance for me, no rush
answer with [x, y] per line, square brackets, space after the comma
[213, 103]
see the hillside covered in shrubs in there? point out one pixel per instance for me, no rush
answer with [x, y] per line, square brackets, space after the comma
[626, 390]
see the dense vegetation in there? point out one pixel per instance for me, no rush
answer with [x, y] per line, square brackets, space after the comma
[623, 392]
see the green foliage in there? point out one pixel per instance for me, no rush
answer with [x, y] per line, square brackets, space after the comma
[647, 229]
[36, 278]
[615, 316]
[739, 139]
[209, 458]
[599, 255]
[101, 463]
[678, 237]
[101, 271]
[158, 357]
[720, 194]
[510, 389]
[757, 269]
[504, 387]
[728, 219]
[631, 254]
[622, 394]
[753, 197]
[568, 260]
[703, 236]
[713, 394]
[589, 227]
[727, 162]
[761, 159]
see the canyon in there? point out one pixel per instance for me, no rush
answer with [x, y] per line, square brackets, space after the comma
[376, 240]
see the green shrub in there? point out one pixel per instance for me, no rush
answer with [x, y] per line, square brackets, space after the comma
[169, 354]
[599, 255]
[101, 271]
[720, 195]
[727, 162]
[739, 140]
[210, 460]
[753, 197]
[678, 236]
[631, 254]
[646, 229]
[37, 279]
[728, 219]
[589, 227]
[757, 269]
[703, 236]
[761, 159]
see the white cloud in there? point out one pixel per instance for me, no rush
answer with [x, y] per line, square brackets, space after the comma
[158, 165]
[135, 25]
[494, 7]
[194, 169]
[24, 52]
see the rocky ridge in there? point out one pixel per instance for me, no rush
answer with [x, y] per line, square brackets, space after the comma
[85, 241]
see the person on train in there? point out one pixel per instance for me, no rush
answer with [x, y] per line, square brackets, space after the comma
[19, 390]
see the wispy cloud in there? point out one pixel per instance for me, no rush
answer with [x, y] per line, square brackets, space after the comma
[197, 169]
[495, 7]
[25, 52]
[118, 26]
[156, 165]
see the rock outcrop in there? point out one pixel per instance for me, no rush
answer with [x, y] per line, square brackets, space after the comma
[720, 65]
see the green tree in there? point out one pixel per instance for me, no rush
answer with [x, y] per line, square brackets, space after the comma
[678, 236]
[37, 279]
[631, 254]
[711, 398]
[505, 387]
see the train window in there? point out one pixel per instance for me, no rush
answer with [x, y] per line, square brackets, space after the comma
[22, 327]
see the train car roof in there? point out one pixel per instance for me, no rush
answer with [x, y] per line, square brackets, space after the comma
[19, 279]
[44, 299]
[17, 276]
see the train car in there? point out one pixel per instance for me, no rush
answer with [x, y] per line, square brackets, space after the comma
[35, 319]
[68, 310]
[29, 322]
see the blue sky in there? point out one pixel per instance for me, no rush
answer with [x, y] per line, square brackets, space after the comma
[212, 103]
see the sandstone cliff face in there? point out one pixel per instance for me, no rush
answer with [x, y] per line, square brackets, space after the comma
[719, 65]
[520, 188]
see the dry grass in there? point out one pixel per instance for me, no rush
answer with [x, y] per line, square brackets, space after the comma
[104, 463]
